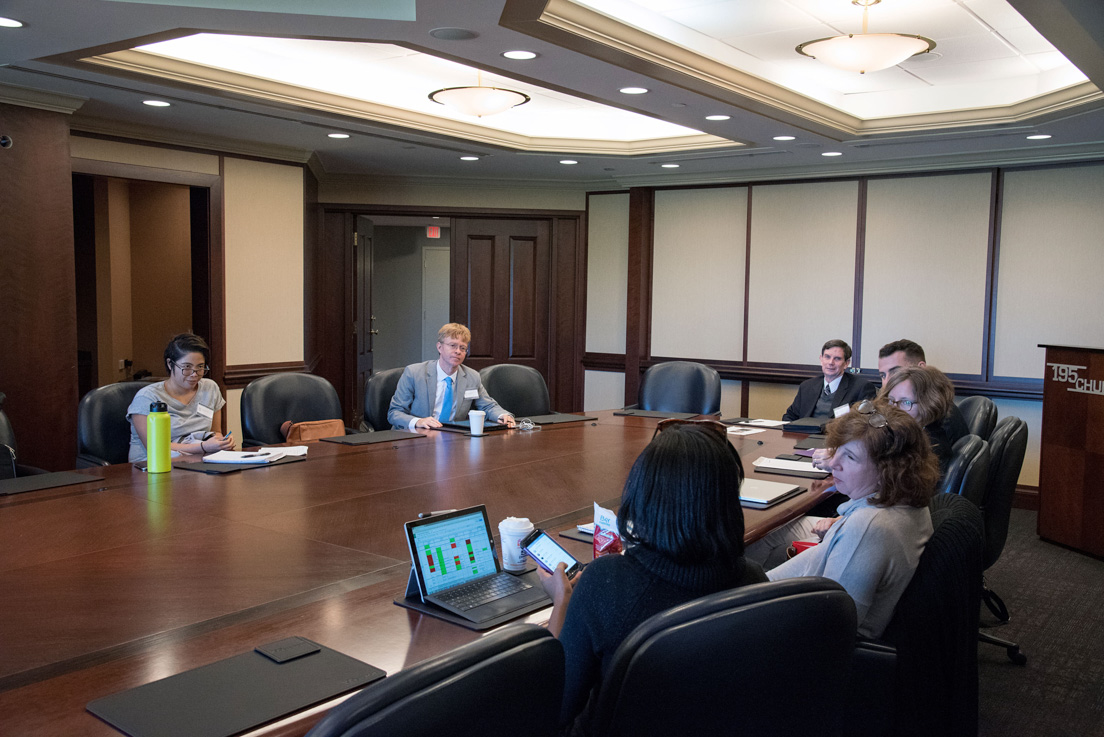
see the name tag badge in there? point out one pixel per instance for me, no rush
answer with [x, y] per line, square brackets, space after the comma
[205, 411]
[471, 394]
[841, 410]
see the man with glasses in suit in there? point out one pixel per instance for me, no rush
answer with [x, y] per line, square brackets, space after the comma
[444, 390]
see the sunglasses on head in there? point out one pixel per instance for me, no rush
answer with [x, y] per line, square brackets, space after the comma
[870, 413]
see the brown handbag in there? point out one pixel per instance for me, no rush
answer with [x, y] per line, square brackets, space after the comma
[301, 432]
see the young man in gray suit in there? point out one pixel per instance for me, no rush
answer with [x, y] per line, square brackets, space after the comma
[439, 391]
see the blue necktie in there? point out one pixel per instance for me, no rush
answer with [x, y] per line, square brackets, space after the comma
[446, 403]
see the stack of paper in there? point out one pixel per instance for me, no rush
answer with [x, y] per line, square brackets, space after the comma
[266, 455]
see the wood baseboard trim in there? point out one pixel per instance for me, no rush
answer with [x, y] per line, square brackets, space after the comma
[1027, 497]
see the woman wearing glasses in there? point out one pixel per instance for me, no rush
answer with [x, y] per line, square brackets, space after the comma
[194, 403]
[926, 395]
[680, 515]
[882, 461]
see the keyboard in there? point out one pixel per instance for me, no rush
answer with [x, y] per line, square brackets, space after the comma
[477, 593]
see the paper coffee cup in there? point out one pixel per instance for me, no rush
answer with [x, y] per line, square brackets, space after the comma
[475, 419]
[512, 531]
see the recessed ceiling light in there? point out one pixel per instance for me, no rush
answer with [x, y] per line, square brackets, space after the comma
[669, 166]
[783, 138]
[832, 153]
[337, 135]
[469, 158]
[1038, 137]
[718, 117]
[568, 161]
[10, 23]
[453, 34]
[520, 55]
[634, 90]
[156, 103]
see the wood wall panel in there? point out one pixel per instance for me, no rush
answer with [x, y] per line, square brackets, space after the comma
[481, 279]
[523, 286]
[38, 366]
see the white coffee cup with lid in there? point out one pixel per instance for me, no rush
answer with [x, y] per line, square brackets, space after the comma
[512, 531]
[476, 418]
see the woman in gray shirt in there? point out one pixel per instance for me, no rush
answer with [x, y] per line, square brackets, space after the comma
[194, 403]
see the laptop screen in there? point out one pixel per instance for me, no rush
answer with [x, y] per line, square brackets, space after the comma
[452, 549]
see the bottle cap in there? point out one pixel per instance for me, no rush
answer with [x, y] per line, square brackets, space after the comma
[158, 407]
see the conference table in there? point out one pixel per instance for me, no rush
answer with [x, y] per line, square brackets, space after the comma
[130, 578]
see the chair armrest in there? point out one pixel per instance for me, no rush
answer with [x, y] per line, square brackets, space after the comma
[869, 707]
[87, 460]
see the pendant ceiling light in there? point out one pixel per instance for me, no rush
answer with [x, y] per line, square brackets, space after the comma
[479, 100]
[866, 52]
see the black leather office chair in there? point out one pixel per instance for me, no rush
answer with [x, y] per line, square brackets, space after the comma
[103, 432]
[520, 390]
[378, 392]
[9, 449]
[765, 659]
[968, 471]
[506, 684]
[980, 414]
[1007, 445]
[268, 402]
[680, 386]
[931, 687]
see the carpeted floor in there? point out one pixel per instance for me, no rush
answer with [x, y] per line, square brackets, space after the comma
[1056, 600]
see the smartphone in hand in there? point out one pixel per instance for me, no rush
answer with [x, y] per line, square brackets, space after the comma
[548, 553]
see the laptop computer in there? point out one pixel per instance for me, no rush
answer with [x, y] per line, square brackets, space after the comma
[759, 494]
[456, 568]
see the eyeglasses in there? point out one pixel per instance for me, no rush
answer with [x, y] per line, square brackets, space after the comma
[455, 346]
[905, 404]
[871, 414]
[188, 369]
[716, 426]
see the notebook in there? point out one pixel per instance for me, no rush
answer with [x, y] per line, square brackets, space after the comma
[759, 494]
[456, 568]
[465, 426]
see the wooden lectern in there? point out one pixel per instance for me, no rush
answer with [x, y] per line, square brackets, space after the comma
[1071, 466]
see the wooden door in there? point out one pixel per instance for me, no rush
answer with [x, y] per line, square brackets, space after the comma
[363, 319]
[500, 289]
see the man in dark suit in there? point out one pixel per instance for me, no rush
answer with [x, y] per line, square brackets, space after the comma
[439, 391]
[819, 396]
[893, 357]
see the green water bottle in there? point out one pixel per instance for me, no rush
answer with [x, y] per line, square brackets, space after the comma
[158, 436]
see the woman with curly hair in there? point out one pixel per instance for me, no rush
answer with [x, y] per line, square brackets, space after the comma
[883, 462]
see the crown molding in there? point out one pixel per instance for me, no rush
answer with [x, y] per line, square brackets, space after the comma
[40, 100]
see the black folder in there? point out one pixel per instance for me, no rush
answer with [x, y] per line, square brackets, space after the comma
[238, 694]
[44, 481]
[380, 436]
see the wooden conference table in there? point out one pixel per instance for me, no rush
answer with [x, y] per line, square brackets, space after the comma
[121, 581]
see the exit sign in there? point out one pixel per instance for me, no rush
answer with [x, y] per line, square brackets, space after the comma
[433, 231]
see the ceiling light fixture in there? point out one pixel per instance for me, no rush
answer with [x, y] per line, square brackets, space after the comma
[718, 117]
[10, 23]
[469, 158]
[832, 153]
[783, 138]
[156, 103]
[669, 166]
[633, 90]
[1038, 137]
[520, 55]
[568, 161]
[865, 52]
[479, 100]
[337, 135]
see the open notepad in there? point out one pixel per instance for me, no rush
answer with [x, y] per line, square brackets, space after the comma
[266, 455]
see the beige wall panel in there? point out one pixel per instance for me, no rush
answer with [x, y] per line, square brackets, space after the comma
[161, 262]
[113, 278]
[370, 191]
[607, 271]
[1051, 260]
[264, 262]
[802, 269]
[603, 390]
[770, 401]
[731, 392]
[1030, 412]
[233, 414]
[927, 240]
[698, 273]
[136, 155]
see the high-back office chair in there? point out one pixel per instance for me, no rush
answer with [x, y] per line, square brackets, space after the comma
[765, 659]
[934, 628]
[506, 684]
[968, 471]
[680, 386]
[980, 415]
[520, 390]
[268, 402]
[378, 392]
[103, 432]
[9, 450]
[1007, 445]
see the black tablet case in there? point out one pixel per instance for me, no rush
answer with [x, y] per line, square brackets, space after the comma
[44, 481]
[235, 695]
[232, 467]
[380, 436]
[413, 600]
[556, 418]
[654, 413]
